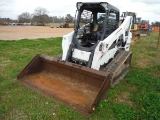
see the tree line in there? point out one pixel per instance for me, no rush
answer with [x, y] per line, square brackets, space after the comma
[156, 23]
[8, 20]
[40, 15]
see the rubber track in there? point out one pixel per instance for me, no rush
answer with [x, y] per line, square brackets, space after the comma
[116, 64]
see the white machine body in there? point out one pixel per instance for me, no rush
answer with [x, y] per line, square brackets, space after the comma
[102, 53]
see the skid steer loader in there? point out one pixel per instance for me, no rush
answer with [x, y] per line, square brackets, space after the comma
[135, 26]
[95, 57]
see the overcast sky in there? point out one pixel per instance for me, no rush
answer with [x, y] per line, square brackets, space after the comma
[147, 9]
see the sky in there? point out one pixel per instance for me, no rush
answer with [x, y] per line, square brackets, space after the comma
[147, 9]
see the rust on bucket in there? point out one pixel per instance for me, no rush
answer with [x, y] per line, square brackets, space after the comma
[76, 86]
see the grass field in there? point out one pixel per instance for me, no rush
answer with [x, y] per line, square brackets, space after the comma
[137, 96]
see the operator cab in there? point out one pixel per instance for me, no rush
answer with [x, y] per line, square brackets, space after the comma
[89, 28]
[95, 22]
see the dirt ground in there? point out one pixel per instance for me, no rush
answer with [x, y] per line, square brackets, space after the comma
[31, 32]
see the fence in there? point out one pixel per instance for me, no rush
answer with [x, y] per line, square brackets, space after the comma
[155, 28]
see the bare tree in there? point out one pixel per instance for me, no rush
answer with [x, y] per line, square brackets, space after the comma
[40, 11]
[40, 15]
[69, 18]
[24, 17]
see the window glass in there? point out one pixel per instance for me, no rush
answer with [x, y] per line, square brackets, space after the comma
[86, 18]
[112, 18]
[100, 17]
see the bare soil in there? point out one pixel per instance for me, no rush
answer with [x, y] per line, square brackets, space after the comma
[31, 32]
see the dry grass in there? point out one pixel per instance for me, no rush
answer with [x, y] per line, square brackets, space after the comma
[124, 97]
[31, 32]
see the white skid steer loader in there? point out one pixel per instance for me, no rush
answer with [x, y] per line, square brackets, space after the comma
[95, 57]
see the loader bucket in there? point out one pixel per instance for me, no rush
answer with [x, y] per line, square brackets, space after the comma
[70, 84]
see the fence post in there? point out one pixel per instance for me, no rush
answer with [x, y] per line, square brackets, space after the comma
[158, 38]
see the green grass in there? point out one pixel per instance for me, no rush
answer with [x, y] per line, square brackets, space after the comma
[137, 96]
